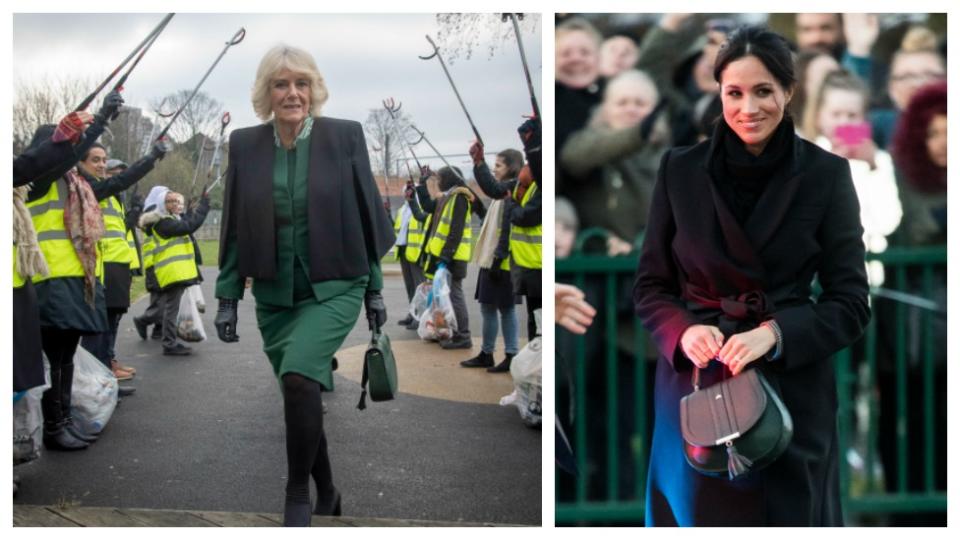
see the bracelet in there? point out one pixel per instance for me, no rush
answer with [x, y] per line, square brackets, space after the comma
[772, 325]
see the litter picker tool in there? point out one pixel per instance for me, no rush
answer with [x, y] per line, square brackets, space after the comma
[436, 53]
[147, 41]
[237, 38]
[523, 58]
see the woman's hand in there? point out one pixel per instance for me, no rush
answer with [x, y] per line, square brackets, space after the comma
[701, 343]
[572, 311]
[617, 246]
[741, 349]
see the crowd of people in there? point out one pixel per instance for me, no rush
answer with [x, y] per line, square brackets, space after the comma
[78, 224]
[869, 88]
[436, 233]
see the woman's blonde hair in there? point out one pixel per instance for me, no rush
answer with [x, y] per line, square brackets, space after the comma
[296, 60]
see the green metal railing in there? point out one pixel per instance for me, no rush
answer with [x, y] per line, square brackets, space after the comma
[598, 494]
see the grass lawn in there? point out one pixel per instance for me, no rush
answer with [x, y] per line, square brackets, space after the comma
[210, 252]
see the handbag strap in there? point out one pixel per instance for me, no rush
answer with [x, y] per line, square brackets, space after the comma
[374, 334]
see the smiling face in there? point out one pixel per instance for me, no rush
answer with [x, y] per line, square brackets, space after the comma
[627, 103]
[174, 203]
[577, 59]
[937, 140]
[753, 101]
[290, 97]
[819, 31]
[96, 162]
[910, 71]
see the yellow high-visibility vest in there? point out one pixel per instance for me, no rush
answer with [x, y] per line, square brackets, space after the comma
[439, 238]
[174, 260]
[134, 255]
[114, 240]
[526, 243]
[416, 231]
[47, 215]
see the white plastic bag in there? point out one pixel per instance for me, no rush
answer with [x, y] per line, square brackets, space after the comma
[189, 324]
[95, 392]
[28, 421]
[527, 372]
[421, 299]
[439, 321]
[197, 294]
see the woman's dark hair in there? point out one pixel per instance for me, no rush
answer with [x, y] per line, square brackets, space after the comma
[772, 49]
[513, 159]
[92, 146]
[449, 177]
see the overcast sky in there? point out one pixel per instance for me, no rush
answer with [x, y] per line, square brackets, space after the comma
[364, 59]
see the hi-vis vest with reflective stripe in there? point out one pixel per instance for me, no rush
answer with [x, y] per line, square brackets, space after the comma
[18, 280]
[439, 238]
[173, 259]
[114, 240]
[134, 255]
[47, 214]
[526, 243]
[416, 230]
[148, 246]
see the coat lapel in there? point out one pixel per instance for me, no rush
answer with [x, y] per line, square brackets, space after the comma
[738, 243]
[774, 204]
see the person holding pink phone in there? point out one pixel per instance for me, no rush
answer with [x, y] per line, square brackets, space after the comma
[837, 123]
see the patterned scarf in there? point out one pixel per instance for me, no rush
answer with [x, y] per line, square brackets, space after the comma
[30, 261]
[84, 225]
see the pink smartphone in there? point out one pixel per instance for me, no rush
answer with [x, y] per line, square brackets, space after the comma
[853, 134]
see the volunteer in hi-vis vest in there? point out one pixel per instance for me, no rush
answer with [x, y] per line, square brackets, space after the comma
[173, 260]
[522, 208]
[71, 296]
[491, 253]
[52, 149]
[410, 232]
[115, 247]
[450, 243]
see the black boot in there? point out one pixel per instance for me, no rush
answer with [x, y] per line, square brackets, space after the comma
[502, 366]
[296, 513]
[481, 360]
[66, 412]
[55, 434]
[406, 320]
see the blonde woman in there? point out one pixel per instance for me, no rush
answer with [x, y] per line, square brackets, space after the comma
[311, 237]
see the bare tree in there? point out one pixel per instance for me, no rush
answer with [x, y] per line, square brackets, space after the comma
[386, 138]
[202, 116]
[44, 101]
[461, 33]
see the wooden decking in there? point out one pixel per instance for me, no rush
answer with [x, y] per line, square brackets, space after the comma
[80, 516]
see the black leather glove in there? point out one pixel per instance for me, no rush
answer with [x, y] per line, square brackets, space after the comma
[530, 134]
[160, 149]
[111, 107]
[226, 320]
[376, 309]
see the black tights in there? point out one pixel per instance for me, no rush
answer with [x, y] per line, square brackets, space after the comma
[306, 442]
[59, 345]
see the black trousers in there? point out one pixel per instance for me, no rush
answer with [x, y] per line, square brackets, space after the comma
[59, 345]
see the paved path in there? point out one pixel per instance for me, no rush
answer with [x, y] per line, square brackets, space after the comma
[205, 433]
[84, 516]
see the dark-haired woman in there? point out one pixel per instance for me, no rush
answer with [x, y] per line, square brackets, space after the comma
[67, 217]
[739, 226]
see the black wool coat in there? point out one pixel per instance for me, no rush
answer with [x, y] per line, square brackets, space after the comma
[805, 225]
[346, 217]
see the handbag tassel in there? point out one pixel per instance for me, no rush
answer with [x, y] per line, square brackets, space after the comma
[737, 463]
[363, 400]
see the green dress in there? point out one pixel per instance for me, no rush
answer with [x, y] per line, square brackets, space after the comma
[302, 323]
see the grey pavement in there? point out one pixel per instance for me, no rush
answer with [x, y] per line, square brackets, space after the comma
[205, 433]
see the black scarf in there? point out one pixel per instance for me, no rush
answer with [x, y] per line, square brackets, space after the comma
[741, 176]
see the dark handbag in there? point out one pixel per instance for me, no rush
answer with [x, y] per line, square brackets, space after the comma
[379, 369]
[736, 426]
